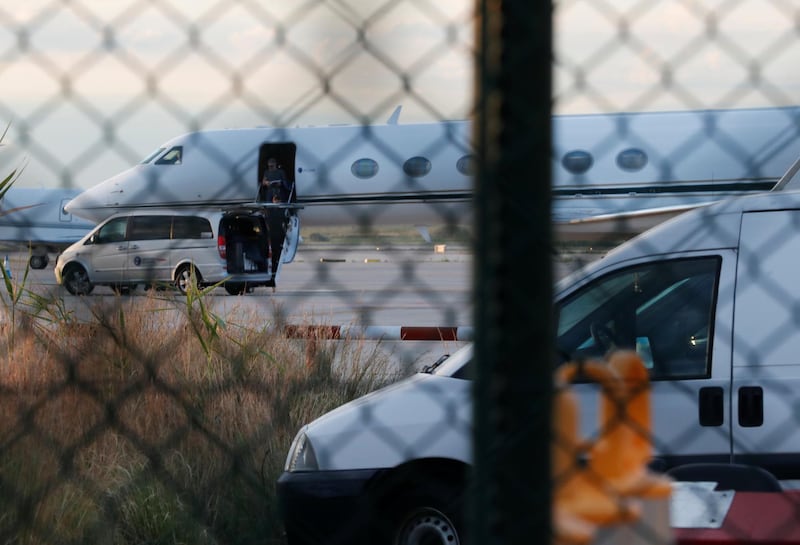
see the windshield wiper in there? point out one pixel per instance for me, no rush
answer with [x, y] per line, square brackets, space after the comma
[435, 365]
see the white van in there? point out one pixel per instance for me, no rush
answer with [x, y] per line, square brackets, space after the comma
[711, 302]
[166, 247]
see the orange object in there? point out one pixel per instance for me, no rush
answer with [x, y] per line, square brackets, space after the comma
[622, 452]
[578, 492]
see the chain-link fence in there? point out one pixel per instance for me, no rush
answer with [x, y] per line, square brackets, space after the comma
[160, 409]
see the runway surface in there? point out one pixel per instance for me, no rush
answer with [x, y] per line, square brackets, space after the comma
[357, 286]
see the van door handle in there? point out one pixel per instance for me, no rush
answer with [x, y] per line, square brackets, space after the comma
[134, 246]
[751, 406]
[122, 247]
[711, 405]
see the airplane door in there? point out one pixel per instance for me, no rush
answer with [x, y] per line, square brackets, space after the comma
[291, 240]
[63, 215]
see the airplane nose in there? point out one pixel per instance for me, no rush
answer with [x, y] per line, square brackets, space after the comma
[88, 205]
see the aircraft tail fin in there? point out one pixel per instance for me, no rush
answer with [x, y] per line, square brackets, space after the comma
[786, 180]
[395, 116]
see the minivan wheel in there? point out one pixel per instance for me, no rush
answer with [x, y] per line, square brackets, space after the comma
[123, 289]
[183, 278]
[77, 281]
[235, 288]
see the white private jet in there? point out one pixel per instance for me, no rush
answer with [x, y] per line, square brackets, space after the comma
[638, 166]
[614, 173]
[36, 220]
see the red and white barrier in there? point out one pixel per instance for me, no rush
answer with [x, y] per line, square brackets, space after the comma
[379, 333]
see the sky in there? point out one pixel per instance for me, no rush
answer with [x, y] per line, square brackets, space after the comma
[89, 87]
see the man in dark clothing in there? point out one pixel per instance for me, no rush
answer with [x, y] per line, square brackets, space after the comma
[274, 183]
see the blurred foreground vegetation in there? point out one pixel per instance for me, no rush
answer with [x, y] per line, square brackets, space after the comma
[157, 422]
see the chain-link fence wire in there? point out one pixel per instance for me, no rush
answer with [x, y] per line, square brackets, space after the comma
[155, 419]
[164, 419]
[706, 301]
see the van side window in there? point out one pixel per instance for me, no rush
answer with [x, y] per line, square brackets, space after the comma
[663, 310]
[113, 231]
[149, 227]
[191, 227]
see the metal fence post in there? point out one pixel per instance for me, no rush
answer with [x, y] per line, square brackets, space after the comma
[513, 278]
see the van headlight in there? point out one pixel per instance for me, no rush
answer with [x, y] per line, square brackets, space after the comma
[301, 455]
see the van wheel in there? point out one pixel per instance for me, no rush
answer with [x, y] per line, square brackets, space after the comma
[77, 281]
[426, 524]
[183, 278]
[235, 288]
[430, 514]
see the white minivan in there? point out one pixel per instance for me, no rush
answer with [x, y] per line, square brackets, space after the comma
[711, 302]
[166, 247]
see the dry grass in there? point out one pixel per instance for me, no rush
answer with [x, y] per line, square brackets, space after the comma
[156, 422]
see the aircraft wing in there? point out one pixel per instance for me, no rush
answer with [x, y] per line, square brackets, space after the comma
[617, 226]
[629, 224]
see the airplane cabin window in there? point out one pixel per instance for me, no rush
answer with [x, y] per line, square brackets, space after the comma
[632, 159]
[172, 157]
[417, 167]
[152, 156]
[577, 161]
[364, 168]
[466, 165]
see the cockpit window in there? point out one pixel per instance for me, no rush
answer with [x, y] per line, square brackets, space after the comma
[172, 157]
[152, 156]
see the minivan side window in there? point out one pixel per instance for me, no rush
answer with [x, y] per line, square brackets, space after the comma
[191, 227]
[149, 227]
[663, 310]
[113, 231]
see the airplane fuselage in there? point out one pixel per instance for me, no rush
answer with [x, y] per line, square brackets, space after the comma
[422, 173]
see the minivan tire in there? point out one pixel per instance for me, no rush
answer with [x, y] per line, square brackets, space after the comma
[123, 289]
[76, 280]
[235, 288]
[183, 278]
